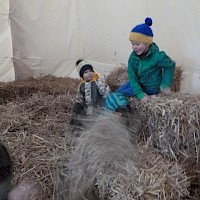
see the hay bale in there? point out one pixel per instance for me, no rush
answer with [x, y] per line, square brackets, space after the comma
[171, 124]
[154, 178]
[35, 131]
[34, 126]
[49, 84]
[178, 77]
[118, 76]
[106, 165]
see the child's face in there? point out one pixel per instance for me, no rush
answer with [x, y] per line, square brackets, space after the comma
[88, 75]
[139, 48]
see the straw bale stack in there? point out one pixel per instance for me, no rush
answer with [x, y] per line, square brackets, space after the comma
[172, 123]
[104, 160]
[118, 76]
[34, 126]
[35, 131]
[154, 178]
[46, 84]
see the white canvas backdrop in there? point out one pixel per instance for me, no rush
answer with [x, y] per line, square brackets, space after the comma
[6, 54]
[49, 36]
[45, 36]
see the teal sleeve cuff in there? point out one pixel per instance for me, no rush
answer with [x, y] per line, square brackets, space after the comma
[140, 95]
[164, 87]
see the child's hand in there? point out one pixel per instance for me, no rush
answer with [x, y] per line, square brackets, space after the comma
[167, 91]
[102, 80]
[145, 98]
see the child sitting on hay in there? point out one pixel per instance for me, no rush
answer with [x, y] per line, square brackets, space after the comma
[91, 92]
[150, 71]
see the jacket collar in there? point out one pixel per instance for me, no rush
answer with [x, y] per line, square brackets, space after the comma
[95, 77]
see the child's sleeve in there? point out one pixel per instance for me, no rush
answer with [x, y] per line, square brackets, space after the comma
[168, 66]
[103, 87]
[79, 97]
[134, 81]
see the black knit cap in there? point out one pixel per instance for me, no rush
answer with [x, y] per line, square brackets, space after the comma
[82, 66]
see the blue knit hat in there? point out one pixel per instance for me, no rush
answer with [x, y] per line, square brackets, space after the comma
[116, 100]
[142, 33]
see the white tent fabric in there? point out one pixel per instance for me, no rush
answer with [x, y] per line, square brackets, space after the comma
[45, 36]
[6, 53]
[49, 36]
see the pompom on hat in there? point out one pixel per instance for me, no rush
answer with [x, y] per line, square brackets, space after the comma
[83, 65]
[142, 33]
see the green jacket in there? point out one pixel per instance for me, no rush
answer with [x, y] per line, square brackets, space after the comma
[154, 71]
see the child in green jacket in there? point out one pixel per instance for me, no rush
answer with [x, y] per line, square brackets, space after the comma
[150, 71]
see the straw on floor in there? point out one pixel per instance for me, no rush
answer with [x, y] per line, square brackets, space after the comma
[34, 126]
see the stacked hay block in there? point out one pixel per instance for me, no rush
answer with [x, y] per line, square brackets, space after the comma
[169, 123]
[34, 127]
[172, 124]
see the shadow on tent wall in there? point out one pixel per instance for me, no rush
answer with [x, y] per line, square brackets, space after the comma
[22, 71]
